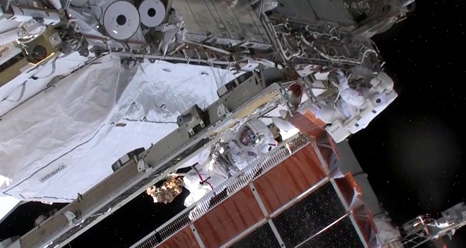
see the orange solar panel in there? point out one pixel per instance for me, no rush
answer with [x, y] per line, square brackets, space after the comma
[289, 179]
[229, 218]
[184, 238]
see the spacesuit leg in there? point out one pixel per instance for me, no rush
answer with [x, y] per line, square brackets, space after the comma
[196, 194]
[202, 180]
[194, 181]
[199, 189]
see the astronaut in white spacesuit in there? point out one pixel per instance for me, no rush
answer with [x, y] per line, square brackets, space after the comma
[350, 105]
[353, 99]
[226, 158]
[254, 139]
[358, 102]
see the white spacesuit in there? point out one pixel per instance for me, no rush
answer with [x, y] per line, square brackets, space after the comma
[226, 158]
[203, 178]
[253, 140]
[355, 106]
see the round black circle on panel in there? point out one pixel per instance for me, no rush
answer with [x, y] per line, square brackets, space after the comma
[38, 53]
[151, 12]
[121, 20]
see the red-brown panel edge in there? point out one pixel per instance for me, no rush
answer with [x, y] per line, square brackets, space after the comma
[307, 123]
[229, 219]
[349, 188]
[286, 181]
[182, 239]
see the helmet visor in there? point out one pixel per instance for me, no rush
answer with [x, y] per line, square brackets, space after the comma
[247, 137]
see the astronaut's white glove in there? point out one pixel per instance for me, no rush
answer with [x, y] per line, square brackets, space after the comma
[237, 159]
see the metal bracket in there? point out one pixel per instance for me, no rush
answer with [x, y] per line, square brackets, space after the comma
[71, 217]
[285, 101]
[221, 110]
[266, 215]
[197, 236]
[142, 165]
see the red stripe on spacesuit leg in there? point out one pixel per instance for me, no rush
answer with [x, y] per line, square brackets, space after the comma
[202, 179]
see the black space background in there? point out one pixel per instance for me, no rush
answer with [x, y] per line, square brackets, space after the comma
[414, 151]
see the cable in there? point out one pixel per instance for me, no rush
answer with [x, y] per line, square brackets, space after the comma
[43, 90]
[54, 160]
[67, 5]
[54, 68]
[148, 121]
[23, 89]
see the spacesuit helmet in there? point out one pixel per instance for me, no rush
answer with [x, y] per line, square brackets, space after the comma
[247, 136]
[252, 133]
